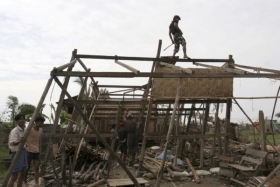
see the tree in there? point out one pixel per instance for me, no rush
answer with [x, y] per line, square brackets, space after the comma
[277, 115]
[104, 94]
[12, 104]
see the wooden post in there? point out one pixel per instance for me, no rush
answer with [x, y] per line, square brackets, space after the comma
[215, 132]
[272, 130]
[144, 141]
[100, 138]
[203, 129]
[63, 164]
[57, 116]
[227, 123]
[27, 130]
[177, 133]
[169, 132]
[262, 124]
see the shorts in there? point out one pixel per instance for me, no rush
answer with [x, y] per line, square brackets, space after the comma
[32, 156]
[123, 148]
[21, 165]
[178, 39]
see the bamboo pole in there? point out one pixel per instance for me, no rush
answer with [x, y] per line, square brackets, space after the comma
[262, 124]
[136, 71]
[144, 141]
[227, 123]
[186, 70]
[230, 70]
[177, 133]
[169, 133]
[60, 68]
[203, 129]
[27, 130]
[257, 68]
[100, 138]
[270, 176]
[57, 116]
[272, 130]
[215, 132]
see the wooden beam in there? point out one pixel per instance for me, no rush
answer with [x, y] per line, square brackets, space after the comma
[262, 132]
[121, 86]
[256, 68]
[60, 68]
[230, 70]
[148, 58]
[163, 75]
[186, 70]
[186, 136]
[136, 71]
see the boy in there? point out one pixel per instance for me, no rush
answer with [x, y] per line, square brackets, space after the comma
[122, 135]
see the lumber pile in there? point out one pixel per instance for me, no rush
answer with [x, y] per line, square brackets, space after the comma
[90, 165]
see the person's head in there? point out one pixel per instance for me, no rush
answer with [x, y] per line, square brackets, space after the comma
[20, 120]
[39, 120]
[113, 126]
[129, 116]
[122, 124]
[176, 18]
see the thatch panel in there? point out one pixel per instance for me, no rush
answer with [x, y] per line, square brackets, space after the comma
[193, 87]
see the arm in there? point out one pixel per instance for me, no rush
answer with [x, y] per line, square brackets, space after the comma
[14, 140]
[124, 116]
[177, 27]
[170, 36]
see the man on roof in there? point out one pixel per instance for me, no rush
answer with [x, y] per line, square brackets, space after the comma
[177, 38]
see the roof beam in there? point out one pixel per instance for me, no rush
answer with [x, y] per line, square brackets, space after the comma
[148, 58]
[256, 68]
[136, 71]
[230, 70]
[163, 75]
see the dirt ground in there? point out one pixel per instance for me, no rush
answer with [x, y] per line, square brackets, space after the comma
[206, 181]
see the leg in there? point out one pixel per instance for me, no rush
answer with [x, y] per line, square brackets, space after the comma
[36, 164]
[20, 178]
[185, 50]
[12, 180]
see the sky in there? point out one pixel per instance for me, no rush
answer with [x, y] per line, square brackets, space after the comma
[36, 36]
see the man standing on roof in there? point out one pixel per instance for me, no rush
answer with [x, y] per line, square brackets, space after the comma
[132, 142]
[178, 36]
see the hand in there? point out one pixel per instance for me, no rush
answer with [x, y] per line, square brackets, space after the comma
[21, 140]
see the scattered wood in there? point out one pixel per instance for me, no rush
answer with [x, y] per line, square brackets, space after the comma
[196, 177]
[125, 182]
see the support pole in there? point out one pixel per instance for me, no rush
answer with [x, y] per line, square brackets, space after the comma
[203, 129]
[160, 173]
[57, 116]
[272, 130]
[215, 132]
[144, 141]
[227, 123]
[262, 124]
[111, 152]
[27, 130]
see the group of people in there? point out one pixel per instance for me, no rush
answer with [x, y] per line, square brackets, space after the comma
[30, 152]
[127, 138]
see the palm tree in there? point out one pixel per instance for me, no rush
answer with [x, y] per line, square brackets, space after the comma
[12, 104]
[80, 81]
[104, 94]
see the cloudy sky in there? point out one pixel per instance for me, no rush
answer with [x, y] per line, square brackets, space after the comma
[36, 36]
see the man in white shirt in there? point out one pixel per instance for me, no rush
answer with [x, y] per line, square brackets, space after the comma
[15, 138]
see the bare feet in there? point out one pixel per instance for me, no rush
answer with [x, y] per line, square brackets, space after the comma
[187, 57]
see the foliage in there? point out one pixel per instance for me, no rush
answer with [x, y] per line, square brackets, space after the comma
[104, 94]
[277, 115]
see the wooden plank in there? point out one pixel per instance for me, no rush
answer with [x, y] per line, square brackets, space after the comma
[257, 153]
[256, 68]
[163, 75]
[136, 71]
[60, 68]
[252, 160]
[241, 168]
[237, 181]
[125, 182]
[226, 158]
[120, 86]
[148, 58]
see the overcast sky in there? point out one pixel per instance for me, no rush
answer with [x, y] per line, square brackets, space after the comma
[36, 36]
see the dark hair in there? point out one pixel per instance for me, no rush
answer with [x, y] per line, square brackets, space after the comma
[39, 118]
[18, 116]
[176, 17]
[113, 126]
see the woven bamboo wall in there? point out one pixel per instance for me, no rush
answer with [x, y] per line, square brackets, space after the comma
[193, 87]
